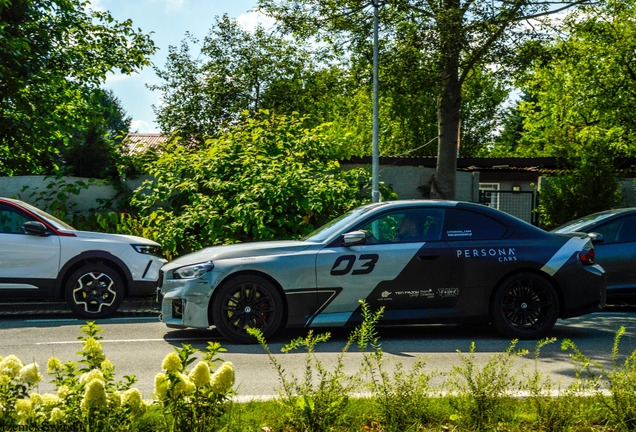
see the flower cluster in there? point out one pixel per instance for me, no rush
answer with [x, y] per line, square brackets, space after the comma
[196, 398]
[88, 398]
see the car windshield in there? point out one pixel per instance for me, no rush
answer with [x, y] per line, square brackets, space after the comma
[58, 224]
[330, 228]
[582, 223]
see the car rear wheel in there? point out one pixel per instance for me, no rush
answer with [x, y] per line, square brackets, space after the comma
[525, 306]
[94, 291]
[247, 301]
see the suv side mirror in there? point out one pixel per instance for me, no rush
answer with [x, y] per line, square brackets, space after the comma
[354, 238]
[595, 237]
[35, 228]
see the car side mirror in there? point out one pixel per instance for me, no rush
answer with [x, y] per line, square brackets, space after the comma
[35, 228]
[354, 238]
[595, 237]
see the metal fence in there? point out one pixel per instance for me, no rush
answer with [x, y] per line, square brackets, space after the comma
[521, 204]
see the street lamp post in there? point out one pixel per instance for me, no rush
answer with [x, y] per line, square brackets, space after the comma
[375, 157]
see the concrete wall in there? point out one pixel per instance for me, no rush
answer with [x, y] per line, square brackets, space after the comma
[412, 182]
[38, 190]
[407, 182]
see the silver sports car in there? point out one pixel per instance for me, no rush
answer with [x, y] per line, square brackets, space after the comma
[424, 261]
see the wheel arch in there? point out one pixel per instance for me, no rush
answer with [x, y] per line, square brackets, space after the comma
[89, 257]
[248, 273]
[538, 272]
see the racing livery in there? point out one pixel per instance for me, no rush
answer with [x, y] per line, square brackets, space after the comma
[423, 261]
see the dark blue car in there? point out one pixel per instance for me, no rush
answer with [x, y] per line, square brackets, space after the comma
[615, 246]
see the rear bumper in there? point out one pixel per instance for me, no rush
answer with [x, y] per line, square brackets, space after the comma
[584, 289]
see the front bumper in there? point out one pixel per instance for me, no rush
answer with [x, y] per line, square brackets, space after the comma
[185, 302]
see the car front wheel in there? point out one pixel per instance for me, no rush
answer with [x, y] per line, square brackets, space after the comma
[94, 291]
[525, 306]
[247, 301]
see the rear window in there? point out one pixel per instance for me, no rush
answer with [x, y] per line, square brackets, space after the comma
[461, 225]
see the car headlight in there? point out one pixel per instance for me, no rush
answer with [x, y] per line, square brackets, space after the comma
[148, 249]
[192, 271]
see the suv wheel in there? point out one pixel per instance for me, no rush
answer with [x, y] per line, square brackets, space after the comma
[94, 291]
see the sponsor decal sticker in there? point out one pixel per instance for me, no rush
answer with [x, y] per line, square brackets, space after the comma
[448, 292]
[501, 254]
[427, 293]
[459, 233]
[408, 293]
[385, 296]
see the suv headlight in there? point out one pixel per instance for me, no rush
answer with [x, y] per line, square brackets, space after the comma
[192, 271]
[148, 249]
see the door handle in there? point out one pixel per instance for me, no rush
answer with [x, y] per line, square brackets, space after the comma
[428, 257]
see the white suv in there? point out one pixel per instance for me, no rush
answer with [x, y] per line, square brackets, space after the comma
[42, 258]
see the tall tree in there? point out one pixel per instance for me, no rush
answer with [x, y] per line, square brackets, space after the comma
[233, 73]
[584, 86]
[54, 54]
[93, 150]
[463, 35]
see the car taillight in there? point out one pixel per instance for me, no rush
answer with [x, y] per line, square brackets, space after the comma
[587, 256]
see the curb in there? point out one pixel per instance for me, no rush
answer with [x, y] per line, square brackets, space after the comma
[131, 307]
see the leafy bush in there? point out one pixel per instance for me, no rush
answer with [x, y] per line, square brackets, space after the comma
[481, 393]
[620, 380]
[193, 401]
[590, 186]
[268, 177]
[87, 396]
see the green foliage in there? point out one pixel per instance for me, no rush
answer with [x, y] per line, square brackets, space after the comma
[235, 71]
[318, 403]
[194, 400]
[94, 149]
[88, 398]
[591, 186]
[315, 402]
[401, 398]
[581, 87]
[619, 380]
[556, 409]
[190, 396]
[481, 393]
[54, 55]
[268, 177]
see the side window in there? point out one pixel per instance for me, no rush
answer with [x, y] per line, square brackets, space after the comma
[610, 230]
[405, 226]
[628, 230]
[467, 225]
[11, 221]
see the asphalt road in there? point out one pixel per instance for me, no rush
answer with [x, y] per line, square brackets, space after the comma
[137, 345]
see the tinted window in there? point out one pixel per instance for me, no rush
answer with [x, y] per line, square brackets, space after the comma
[405, 226]
[11, 221]
[466, 225]
[618, 231]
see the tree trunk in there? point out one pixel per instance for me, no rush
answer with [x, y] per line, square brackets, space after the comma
[448, 102]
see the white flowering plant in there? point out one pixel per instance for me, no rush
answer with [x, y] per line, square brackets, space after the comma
[87, 395]
[192, 400]
[17, 380]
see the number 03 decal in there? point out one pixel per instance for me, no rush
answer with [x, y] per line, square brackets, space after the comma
[365, 268]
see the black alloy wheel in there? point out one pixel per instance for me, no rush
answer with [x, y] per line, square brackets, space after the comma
[247, 301]
[94, 291]
[525, 306]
